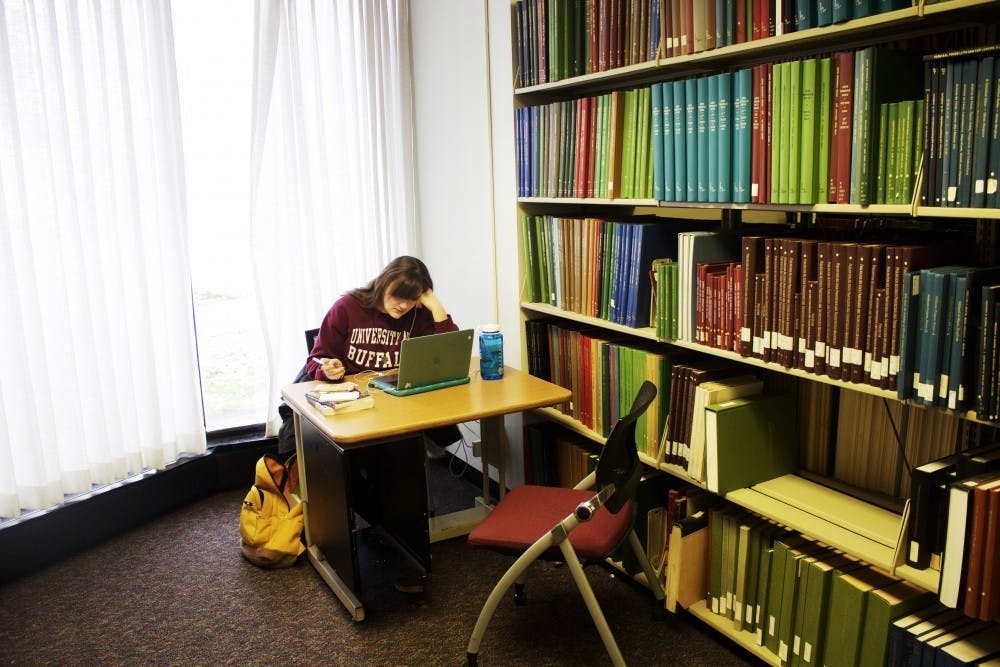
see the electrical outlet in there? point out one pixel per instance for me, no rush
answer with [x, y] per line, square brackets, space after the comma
[477, 448]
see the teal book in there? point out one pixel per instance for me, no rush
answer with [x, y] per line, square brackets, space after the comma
[712, 152]
[824, 128]
[691, 126]
[967, 318]
[742, 131]
[659, 174]
[984, 116]
[794, 165]
[824, 12]
[967, 109]
[749, 440]
[666, 156]
[841, 10]
[908, 319]
[679, 146]
[949, 140]
[993, 171]
[701, 138]
[808, 172]
[724, 92]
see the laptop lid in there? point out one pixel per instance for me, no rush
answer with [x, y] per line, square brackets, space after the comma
[431, 360]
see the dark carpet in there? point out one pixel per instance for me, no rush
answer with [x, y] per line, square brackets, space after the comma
[177, 592]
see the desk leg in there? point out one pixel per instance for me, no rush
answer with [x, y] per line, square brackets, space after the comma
[329, 520]
[494, 447]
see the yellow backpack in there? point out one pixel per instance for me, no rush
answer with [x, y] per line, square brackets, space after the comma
[271, 520]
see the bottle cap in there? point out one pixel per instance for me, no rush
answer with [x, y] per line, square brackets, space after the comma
[491, 328]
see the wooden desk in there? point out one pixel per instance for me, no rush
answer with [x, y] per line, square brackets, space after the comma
[371, 462]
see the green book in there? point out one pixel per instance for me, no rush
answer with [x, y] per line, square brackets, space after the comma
[918, 146]
[744, 529]
[777, 74]
[904, 162]
[749, 440]
[775, 592]
[887, 170]
[882, 607]
[642, 143]
[848, 599]
[815, 616]
[792, 579]
[794, 129]
[628, 144]
[824, 128]
[883, 153]
[809, 133]
[715, 576]
[789, 80]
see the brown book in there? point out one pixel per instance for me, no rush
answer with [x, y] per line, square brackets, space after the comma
[841, 137]
[768, 310]
[807, 274]
[848, 330]
[760, 307]
[879, 376]
[976, 545]
[615, 36]
[603, 34]
[862, 308]
[835, 311]
[791, 289]
[989, 603]
[710, 25]
[822, 299]
[665, 41]
[670, 429]
[752, 251]
[811, 322]
[687, 27]
[876, 281]
[676, 19]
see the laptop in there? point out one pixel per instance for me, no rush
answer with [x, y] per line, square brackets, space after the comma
[430, 362]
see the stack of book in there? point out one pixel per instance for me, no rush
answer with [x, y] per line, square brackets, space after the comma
[339, 398]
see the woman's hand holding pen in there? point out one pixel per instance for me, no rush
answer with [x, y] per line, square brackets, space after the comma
[333, 369]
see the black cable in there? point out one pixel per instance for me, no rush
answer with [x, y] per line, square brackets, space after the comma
[899, 443]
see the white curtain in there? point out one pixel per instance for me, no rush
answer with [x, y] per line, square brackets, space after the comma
[98, 369]
[332, 193]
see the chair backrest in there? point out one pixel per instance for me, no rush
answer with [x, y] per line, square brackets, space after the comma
[310, 339]
[619, 462]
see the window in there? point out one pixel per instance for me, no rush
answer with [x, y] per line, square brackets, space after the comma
[214, 51]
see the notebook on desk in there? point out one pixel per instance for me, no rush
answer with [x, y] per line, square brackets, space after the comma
[430, 362]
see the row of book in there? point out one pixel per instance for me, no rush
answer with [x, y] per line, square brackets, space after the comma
[962, 131]
[809, 604]
[852, 128]
[555, 457]
[594, 267]
[589, 147]
[604, 375]
[947, 353]
[558, 39]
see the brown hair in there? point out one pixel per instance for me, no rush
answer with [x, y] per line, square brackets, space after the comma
[408, 277]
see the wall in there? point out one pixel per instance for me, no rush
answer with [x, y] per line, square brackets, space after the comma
[464, 148]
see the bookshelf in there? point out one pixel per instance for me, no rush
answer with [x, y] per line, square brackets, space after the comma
[865, 530]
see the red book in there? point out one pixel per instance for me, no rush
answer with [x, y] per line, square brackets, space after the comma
[976, 545]
[593, 36]
[604, 36]
[592, 150]
[756, 133]
[989, 600]
[840, 145]
[687, 31]
[757, 20]
[737, 315]
[615, 52]
[741, 22]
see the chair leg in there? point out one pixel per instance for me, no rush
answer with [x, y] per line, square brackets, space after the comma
[515, 574]
[591, 601]
[647, 567]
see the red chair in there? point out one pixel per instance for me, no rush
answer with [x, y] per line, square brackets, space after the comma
[571, 525]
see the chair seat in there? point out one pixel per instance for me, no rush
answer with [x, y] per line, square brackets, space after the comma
[528, 512]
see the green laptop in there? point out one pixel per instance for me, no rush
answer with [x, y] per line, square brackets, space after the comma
[430, 362]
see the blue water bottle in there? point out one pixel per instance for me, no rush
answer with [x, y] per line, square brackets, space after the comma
[491, 352]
